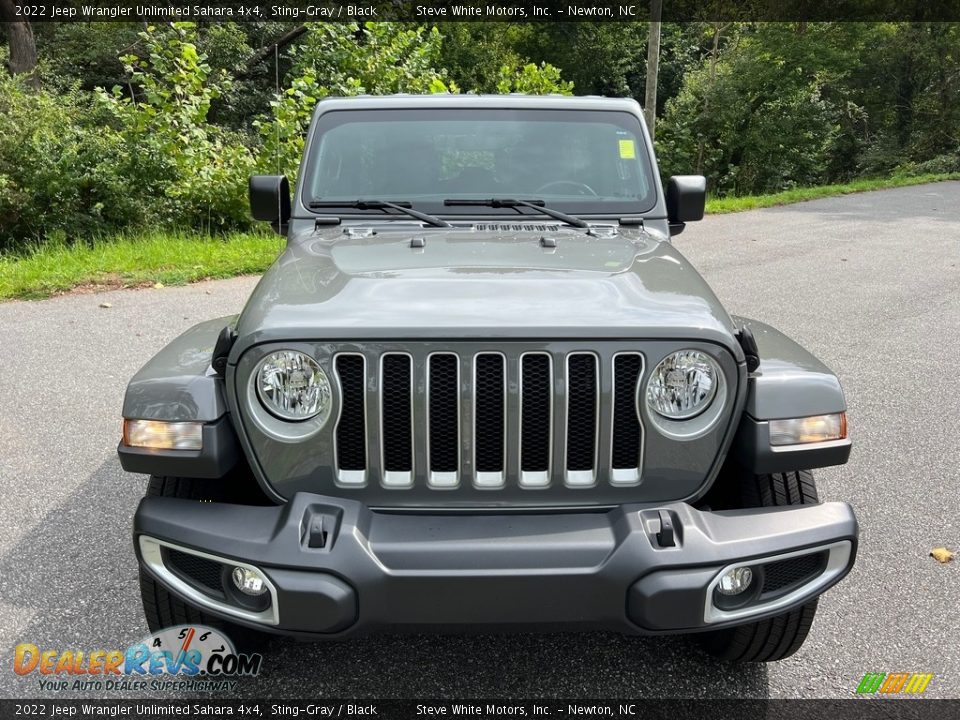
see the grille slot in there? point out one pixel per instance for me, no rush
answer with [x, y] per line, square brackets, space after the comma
[198, 571]
[489, 421]
[581, 418]
[626, 433]
[536, 410]
[786, 574]
[443, 410]
[395, 422]
[351, 427]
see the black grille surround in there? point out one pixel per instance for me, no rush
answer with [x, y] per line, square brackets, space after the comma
[396, 407]
[489, 412]
[536, 397]
[582, 398]
[351, 428]
[444, 413]
[626, 424]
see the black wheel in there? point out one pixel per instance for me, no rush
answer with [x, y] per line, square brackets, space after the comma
[161, 608]
[781, 636]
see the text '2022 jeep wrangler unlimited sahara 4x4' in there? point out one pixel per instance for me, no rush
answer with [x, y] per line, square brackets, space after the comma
[480, 387]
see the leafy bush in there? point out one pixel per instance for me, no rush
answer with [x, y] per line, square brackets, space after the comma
[198, 168]
[766, 116]
[77, 165]
[939, 165]
[532, 79]
[58, 172]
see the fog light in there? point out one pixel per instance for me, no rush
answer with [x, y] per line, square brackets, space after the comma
[249, 581]
[160, 435]
[735, 581]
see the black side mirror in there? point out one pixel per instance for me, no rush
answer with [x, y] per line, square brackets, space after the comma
[686, 198]
[270, 199]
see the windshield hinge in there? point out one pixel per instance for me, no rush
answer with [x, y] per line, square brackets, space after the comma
[221, 350]
[751, 352]
[324, 221]
[632, 220]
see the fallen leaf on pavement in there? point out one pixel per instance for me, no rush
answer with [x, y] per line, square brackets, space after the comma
[106, 305]
[158, 285]
[941, 555]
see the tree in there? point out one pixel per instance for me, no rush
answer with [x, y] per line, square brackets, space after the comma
[600, 58]
[23, 46]
[653, 64]
[775, 109]
[201, 168]
[474, 52]
[375, 58]
[269, 49]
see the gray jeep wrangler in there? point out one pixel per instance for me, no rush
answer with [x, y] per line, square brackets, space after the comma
[481, 388]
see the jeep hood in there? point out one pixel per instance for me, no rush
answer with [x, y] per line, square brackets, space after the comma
[465, 283]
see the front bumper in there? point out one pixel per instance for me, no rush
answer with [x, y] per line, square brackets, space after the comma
[611, 569]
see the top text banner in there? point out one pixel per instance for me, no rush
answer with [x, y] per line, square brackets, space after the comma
[300, 11]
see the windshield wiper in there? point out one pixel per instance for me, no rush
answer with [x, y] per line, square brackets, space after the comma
[511, 203]
[404, 207]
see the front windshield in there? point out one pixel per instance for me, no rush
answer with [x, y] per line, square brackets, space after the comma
[573, 160]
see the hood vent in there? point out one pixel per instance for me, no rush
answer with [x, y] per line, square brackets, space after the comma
[516, 227]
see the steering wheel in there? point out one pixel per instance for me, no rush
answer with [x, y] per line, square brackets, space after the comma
[577, 185]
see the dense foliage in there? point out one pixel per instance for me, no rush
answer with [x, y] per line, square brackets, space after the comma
[173, 142]
[783, 105]
[160, 126]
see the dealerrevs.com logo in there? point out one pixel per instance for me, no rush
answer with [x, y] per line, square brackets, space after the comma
[185, 657]
[894, 683]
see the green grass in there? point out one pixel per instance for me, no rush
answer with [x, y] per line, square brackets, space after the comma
[717, 206]
[134, 261]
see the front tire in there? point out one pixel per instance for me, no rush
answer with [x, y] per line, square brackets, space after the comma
[161, 608]
[781, 636]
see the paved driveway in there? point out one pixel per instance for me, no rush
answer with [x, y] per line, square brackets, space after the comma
[870, 283]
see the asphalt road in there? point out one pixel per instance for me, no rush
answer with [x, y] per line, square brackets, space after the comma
[870, 283]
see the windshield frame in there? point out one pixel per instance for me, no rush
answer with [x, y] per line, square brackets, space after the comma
[605, 208]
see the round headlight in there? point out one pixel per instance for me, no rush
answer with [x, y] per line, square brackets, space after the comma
[293, 386]
[682, 385]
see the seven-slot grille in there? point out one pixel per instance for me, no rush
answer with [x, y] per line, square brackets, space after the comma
[484, 420]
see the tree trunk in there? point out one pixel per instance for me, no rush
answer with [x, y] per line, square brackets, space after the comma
[653, 66]
[718, 29]
[267, 50]
[23, 47]
[906, 92]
